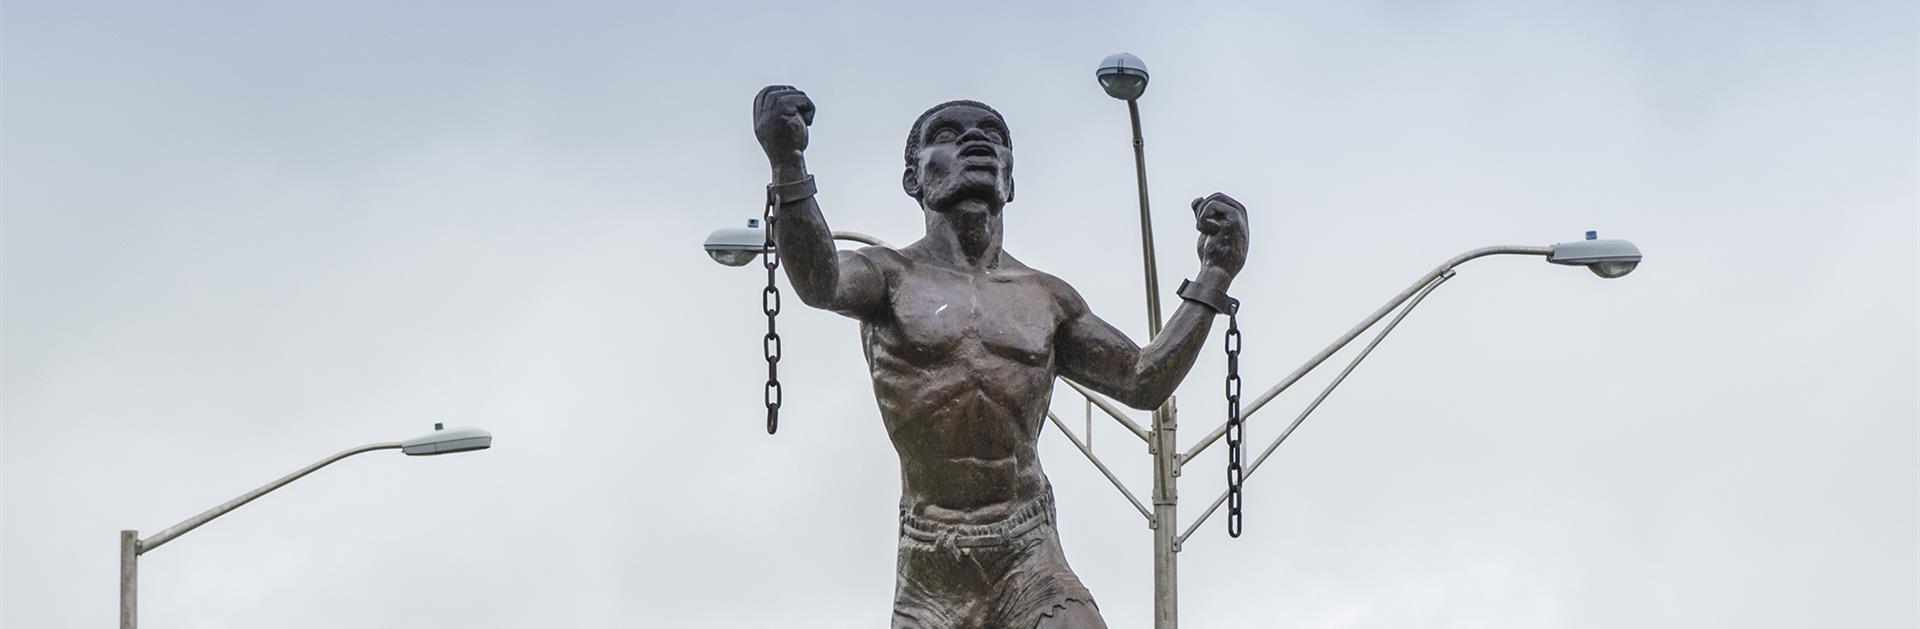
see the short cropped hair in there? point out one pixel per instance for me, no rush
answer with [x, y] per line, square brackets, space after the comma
[913, 135]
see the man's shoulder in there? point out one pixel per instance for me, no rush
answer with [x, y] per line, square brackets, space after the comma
[885, 258]
[1049, 282]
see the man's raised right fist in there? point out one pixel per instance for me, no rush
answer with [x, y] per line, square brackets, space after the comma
[780, 118]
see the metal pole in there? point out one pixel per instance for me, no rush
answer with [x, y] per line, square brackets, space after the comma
[1146, 224]
[129, 578]
[1166, 520]
[194, 522]
[131, 546]
[1089, 430]
[1166, 464]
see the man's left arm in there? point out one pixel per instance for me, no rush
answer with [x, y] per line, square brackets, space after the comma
[1093, 353]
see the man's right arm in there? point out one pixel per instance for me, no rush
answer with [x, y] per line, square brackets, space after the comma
[848, 282]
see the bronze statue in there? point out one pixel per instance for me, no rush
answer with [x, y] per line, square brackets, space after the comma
[963, 342]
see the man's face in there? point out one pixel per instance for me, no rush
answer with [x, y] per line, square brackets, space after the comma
[963, 154]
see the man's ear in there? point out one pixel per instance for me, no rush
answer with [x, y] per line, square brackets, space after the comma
[910, 182]
[1009, 188]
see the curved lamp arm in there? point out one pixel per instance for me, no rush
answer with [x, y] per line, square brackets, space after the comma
[1320, 398]
[1429, 278]
[860, 238]
[177, 530]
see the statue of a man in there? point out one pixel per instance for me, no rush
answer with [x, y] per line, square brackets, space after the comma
[963, 342]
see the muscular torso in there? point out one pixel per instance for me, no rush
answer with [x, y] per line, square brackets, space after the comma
[963, 366]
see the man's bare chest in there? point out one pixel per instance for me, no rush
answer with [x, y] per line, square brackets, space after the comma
[941, 317]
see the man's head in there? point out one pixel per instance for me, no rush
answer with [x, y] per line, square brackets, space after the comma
[959, 150]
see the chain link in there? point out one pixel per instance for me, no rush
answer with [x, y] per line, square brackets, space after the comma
[770, 304]
[1233, 418]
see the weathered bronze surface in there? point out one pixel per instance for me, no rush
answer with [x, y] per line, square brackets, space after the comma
[963, 342]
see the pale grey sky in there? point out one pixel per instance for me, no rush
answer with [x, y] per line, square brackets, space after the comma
[237, 237]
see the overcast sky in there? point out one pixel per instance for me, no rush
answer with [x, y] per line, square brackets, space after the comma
[239, 237]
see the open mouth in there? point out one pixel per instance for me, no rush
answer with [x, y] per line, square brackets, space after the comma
[979, 150]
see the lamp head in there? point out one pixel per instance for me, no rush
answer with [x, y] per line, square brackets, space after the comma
[1606, 258]
[445, 440]
[1123, 76]
[736, 246]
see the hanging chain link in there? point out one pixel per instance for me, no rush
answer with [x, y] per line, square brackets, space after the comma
[770, 303]
[1233, 418]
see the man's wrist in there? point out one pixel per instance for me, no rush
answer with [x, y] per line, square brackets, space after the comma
[1215, 278]
[789, 170]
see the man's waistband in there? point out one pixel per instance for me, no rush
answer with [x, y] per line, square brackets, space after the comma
[1024, 518]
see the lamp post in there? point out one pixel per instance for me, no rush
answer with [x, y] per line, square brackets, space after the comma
[1124, 76]
[440, 441]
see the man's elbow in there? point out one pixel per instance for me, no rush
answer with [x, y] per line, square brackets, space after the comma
[816, 294]
[1144, 397]
[816, 299]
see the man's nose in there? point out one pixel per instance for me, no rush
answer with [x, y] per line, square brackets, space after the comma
[975, 134]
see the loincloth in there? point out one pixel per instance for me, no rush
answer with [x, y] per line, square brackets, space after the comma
[1005, 575]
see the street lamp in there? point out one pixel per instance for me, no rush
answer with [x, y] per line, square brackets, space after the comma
[444, 441]
[440, 441]
[1123, 75]
[737, 246]
[1606, 258]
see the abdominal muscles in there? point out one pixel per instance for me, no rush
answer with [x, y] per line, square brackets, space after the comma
[965, 432]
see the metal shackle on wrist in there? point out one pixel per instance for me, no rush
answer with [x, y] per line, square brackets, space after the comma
[1213, 298]
[782, 193]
